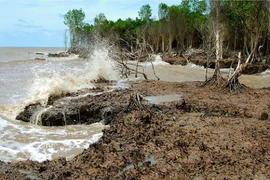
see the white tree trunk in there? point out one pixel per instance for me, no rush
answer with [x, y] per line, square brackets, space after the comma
[163, 44]
[217, 33]
[170, 46]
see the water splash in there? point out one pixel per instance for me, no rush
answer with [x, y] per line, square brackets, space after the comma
[37, 118]
[56, 79]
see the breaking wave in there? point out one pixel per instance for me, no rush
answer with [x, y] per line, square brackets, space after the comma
[59, 79]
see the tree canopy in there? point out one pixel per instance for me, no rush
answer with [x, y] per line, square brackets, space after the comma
[74, 20]
[244, 27]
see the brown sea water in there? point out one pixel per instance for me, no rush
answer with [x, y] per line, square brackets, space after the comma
[26, 79]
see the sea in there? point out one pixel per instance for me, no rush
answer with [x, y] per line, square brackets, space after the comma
[28, 75]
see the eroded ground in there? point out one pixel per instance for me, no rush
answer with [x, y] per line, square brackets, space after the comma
[210, 133]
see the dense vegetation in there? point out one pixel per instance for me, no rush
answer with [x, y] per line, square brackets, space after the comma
[241, 26]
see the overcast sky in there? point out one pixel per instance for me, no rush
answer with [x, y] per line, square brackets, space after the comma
[40, 22]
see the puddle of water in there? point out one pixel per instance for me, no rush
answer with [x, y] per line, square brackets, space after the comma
[29, 174]
[151, 159]
[163, 98]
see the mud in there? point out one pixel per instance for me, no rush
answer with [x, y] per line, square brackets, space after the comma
[211, 133]
[85, 107]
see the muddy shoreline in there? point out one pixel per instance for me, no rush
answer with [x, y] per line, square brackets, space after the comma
[209, 133]
[254, 68]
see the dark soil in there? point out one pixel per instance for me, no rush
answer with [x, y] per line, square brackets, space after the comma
[210, 134]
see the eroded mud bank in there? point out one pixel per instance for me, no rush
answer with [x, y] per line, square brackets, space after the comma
[209, 133]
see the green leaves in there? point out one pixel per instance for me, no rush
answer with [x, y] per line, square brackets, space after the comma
[74, 18]
[145, 12]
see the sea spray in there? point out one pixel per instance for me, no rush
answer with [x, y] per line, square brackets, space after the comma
[103, 67]
[50, 80]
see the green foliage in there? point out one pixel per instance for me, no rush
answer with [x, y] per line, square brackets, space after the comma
[99, 19]
[74, 20]
[145, 12]
[163, 11]
[245, 25]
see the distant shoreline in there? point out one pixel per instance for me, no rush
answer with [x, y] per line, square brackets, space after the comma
[31, 47]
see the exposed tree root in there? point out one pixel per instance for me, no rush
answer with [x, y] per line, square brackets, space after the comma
[234, 84]
[215, 79]
[126, 71]
[233, 81]
[135, 102]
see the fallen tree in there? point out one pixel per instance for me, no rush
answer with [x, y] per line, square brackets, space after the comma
[143, 51]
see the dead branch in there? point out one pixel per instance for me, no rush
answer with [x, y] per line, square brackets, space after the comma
[233, 82]
[153, 68]
[126, 71]
[135, 54]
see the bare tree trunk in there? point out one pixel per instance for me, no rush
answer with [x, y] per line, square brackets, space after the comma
[157, 46]
[163, 44]
[170, 46]
[217, 78]
[218, 39]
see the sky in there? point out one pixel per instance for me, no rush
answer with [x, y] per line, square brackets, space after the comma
[39, 23]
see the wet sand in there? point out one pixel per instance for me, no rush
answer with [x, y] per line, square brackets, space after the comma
[209, 133]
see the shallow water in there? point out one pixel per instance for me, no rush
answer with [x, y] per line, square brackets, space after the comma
[21, 141]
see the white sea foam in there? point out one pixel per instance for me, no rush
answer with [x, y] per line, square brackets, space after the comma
[265, 73]
[21, 141]
[192, 65]
[156, 61]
